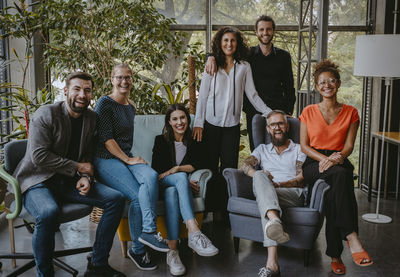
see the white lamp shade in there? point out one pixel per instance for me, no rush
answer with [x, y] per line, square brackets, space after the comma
[377, 56]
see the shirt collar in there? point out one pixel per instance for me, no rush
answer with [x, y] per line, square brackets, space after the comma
[259, 52]
[271, 149]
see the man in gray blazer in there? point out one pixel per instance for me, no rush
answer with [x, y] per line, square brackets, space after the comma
[57, 167]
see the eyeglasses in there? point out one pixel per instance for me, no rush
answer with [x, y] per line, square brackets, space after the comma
[330, 81]
[275, 125]
[127, 78]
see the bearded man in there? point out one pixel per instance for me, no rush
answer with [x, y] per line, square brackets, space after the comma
[272, 73]
[277, 186]
[57, 167]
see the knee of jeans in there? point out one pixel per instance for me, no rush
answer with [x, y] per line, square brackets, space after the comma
[170, 194]
[151, 177]
[134, 201]
[182, 179]
[118, 198]
[154, 177]
[48, 215]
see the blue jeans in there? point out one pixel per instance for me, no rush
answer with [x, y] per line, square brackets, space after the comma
[178, 201]
[139, 184]
[42, 202]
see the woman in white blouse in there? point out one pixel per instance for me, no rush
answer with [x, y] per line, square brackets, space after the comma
[219, 107]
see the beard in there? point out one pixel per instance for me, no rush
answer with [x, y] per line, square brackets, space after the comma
[265, 43]
[279, 141]
[74, 108]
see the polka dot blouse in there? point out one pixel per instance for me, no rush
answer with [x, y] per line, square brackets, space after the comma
[114, 121]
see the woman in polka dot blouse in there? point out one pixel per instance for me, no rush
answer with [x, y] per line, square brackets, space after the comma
[119, 169]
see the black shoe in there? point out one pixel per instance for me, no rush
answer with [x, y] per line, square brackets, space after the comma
[142, 261]
[102, 271]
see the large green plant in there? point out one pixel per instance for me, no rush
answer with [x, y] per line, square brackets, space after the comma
[19, 21]
[95, 35]
[22, 105]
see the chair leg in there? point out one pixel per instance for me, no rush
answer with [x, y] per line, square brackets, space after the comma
[22, 269]
[306, 257]
[65, 267]
[236, 244]
[12, 240]
[124, 248]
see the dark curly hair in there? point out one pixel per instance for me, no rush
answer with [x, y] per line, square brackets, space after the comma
[242, 50]
[168, 132]
[325, 65]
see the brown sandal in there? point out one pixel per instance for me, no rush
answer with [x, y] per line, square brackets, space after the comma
[338, 268]
[362, 258]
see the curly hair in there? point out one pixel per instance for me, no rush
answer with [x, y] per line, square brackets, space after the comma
[242, 50]
[168, 132]
[326, 65]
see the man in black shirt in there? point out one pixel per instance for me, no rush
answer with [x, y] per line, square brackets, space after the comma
[272, 73]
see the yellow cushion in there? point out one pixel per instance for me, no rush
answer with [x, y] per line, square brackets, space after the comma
[123, 228]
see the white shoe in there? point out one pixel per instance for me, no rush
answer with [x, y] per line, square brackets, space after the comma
[274, 231]
[201, 244]
[175, 264]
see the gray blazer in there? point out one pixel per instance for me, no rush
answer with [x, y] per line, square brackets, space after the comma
[49, 137]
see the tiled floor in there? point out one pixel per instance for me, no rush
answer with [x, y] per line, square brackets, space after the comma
[382, 242]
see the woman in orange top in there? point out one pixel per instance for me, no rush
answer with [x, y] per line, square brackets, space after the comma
[327, 134]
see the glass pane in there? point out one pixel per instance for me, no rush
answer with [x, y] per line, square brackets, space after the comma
[341, 47]
[246, 12]
[347, 12]
[184, 11]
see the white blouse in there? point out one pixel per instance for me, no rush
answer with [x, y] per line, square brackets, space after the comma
[221, 96]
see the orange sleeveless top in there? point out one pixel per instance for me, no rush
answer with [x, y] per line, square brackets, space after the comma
[328, 137]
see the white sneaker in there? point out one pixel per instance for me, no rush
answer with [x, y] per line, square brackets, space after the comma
[274, 231]
[201, 244]
[175, 264]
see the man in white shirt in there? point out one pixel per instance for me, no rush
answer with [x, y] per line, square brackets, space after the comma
[278, 185]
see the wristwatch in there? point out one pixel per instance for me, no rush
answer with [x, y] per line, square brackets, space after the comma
[90, 178]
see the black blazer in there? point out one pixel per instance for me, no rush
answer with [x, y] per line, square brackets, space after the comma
[164, 155]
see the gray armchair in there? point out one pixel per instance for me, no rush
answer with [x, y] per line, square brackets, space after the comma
[303, 224]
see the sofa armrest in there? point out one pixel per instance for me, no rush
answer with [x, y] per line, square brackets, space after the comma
[239, 184]
[17, 192]
[317, 196]
[202, 176]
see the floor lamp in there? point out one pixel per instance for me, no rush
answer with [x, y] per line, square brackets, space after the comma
[378, 56]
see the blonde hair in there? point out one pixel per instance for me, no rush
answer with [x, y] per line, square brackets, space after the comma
[118, 66]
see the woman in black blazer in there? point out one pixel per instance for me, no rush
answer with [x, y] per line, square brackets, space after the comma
[175, 154]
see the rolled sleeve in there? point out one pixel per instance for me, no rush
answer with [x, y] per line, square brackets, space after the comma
[202, 100]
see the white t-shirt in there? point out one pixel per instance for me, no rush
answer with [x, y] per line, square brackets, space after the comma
[282, 167]
[180, 152]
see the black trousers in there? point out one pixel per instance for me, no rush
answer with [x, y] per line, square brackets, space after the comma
[222, 151]
[340, 204]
